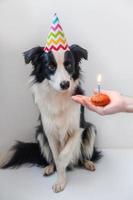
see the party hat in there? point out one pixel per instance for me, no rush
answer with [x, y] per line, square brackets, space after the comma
[56, 39]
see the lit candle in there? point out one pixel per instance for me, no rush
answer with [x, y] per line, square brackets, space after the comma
[100, 99]
[99, 79]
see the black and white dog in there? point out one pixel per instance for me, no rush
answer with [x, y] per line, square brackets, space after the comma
[64, 138]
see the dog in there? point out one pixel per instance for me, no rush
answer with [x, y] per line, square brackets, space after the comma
[63, 138]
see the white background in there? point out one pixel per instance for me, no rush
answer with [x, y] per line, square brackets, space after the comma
[103, 27]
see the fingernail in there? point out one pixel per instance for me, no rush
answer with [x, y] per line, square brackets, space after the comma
[74, 97]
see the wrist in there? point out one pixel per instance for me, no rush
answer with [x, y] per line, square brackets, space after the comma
[128, 104]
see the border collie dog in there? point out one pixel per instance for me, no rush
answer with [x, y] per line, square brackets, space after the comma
[63, 138]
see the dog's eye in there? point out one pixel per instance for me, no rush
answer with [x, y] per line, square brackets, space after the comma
[52, 68]
[68, 66]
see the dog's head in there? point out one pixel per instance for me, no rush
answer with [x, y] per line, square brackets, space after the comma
[60, 69]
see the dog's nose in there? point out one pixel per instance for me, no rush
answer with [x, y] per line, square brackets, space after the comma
[64, 85]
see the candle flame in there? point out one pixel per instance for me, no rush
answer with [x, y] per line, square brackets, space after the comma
[99, 78]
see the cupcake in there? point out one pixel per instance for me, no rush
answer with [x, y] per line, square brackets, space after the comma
[100, 99]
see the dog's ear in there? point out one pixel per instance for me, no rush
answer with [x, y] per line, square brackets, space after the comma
[79, 53]
[33, 55]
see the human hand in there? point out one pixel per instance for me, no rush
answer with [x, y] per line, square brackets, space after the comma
[117, 103]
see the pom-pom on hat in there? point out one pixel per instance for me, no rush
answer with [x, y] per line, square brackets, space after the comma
[56, 39]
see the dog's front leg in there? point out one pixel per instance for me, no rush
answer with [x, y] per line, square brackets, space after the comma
[64, 159]
[54, 146]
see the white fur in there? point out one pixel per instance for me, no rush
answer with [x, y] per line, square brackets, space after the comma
[60, 115]
[61, 74]
[6, 157]
[90, 147]
[61, 120]
[44, 148]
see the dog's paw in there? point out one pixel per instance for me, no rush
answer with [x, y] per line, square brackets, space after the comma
[89, 165]
[59, 186]
[48, 170]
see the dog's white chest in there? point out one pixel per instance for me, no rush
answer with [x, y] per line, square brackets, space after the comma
[59, 119]
[60, 115]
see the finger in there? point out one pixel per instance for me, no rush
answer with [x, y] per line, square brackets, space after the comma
[80, 97]
[89, 105]
[78, 100]
[77, 96]
[92, 107]
[88, 101]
